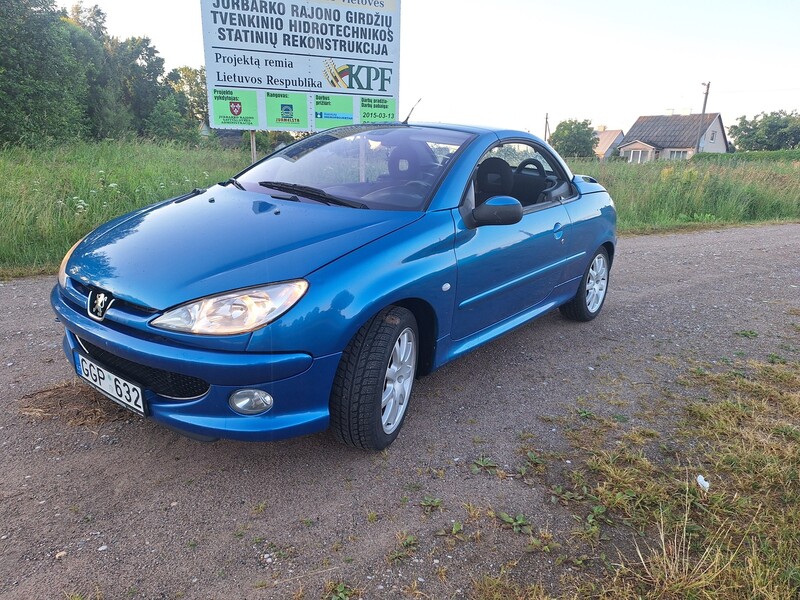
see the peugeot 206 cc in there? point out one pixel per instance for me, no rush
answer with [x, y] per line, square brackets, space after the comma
[310, 290]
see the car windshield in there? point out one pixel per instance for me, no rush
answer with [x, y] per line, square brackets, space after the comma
[368, 166]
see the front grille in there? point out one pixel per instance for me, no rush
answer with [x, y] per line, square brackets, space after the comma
[119, 304]
[163, 383]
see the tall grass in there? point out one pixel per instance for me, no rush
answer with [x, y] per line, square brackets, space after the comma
[670, 195]
[49, 198]
[755, 155]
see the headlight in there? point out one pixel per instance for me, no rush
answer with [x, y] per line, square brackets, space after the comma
[62, 270]
[234, 312]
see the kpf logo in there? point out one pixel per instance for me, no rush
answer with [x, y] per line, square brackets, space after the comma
[358, 77]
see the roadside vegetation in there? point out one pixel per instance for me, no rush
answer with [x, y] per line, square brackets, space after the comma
[661, 195]
[754, 156]
[710, 505]
[52, 196]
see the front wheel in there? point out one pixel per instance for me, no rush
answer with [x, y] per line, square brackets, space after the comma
[591, 294]
[373, 385]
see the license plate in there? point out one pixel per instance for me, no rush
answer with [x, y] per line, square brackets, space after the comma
[115, 387]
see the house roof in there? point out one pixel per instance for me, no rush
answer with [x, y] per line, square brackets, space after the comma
[606, 138]
[669, 131]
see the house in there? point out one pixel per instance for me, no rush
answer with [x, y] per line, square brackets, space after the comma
[673, 137]
[607, 141]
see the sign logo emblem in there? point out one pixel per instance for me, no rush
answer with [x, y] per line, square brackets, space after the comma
[357, 77]
[236, 108]
[335, 74]
[287, 111]
[98, 304]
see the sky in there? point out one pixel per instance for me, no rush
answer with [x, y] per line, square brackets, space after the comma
[511, 63]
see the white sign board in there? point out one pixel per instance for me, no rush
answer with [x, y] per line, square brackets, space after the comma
[301, 65]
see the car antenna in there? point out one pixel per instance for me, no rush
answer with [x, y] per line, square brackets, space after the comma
[405, 121]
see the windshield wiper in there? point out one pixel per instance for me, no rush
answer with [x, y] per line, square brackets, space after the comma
[290, 197]
[232, 180]
[312, 193]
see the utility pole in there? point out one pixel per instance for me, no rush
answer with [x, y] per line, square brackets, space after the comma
[546, 126]
[702, 118]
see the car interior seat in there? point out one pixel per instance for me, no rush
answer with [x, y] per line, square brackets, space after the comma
[493, 178]
[530, 183]
[404, 163]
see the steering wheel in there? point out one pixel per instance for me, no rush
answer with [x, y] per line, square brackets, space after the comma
[414, 186]
[531, 161]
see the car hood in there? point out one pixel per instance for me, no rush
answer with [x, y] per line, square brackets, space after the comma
[220, 240]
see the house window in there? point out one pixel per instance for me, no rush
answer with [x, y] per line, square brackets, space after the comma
[678, 155]
[637, 156]
[713, 136]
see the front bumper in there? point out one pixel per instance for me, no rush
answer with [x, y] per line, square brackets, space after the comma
[299, 383]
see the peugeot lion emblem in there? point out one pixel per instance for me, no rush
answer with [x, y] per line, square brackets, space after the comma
[98, 304]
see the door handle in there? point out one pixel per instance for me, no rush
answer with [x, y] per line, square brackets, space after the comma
[558, 231]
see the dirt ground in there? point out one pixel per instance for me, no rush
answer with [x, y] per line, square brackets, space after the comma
[96, 502]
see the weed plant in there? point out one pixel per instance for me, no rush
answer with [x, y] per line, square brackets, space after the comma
[738, 538]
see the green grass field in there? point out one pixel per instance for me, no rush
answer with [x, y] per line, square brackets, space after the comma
[52, 197]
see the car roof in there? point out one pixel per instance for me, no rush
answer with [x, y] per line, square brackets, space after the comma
[471, 129]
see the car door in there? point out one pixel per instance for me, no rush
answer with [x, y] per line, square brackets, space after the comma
[504, 270]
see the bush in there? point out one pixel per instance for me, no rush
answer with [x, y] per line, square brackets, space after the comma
[167, 123]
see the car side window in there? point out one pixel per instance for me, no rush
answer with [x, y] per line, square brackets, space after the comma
[519, 170]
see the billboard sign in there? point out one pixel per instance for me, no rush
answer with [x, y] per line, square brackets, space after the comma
[301, 65]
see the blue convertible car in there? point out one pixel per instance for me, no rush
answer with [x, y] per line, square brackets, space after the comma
[311, 289]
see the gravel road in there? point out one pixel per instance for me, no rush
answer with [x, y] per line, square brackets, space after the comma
[99, 503]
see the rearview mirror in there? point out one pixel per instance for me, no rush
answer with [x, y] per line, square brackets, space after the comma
[499, 210]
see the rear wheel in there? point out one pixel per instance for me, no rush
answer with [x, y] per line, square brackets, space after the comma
[591, 294]
[373, 384]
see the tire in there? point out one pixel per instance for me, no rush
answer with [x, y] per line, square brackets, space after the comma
[591, 294]
[373, 384]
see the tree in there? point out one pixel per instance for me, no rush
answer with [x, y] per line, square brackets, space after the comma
[62, 77]
[167, 123]
[36, 61]
[574, 138]
[138, 69]
[774, 131]
[191, 83]
[92, 19]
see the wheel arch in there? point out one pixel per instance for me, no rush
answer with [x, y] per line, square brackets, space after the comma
[609, 246]
[427, 327]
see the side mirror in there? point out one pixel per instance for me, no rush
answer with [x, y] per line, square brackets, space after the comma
[499, 210]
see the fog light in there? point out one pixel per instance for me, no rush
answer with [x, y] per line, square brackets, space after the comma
[250, 402]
